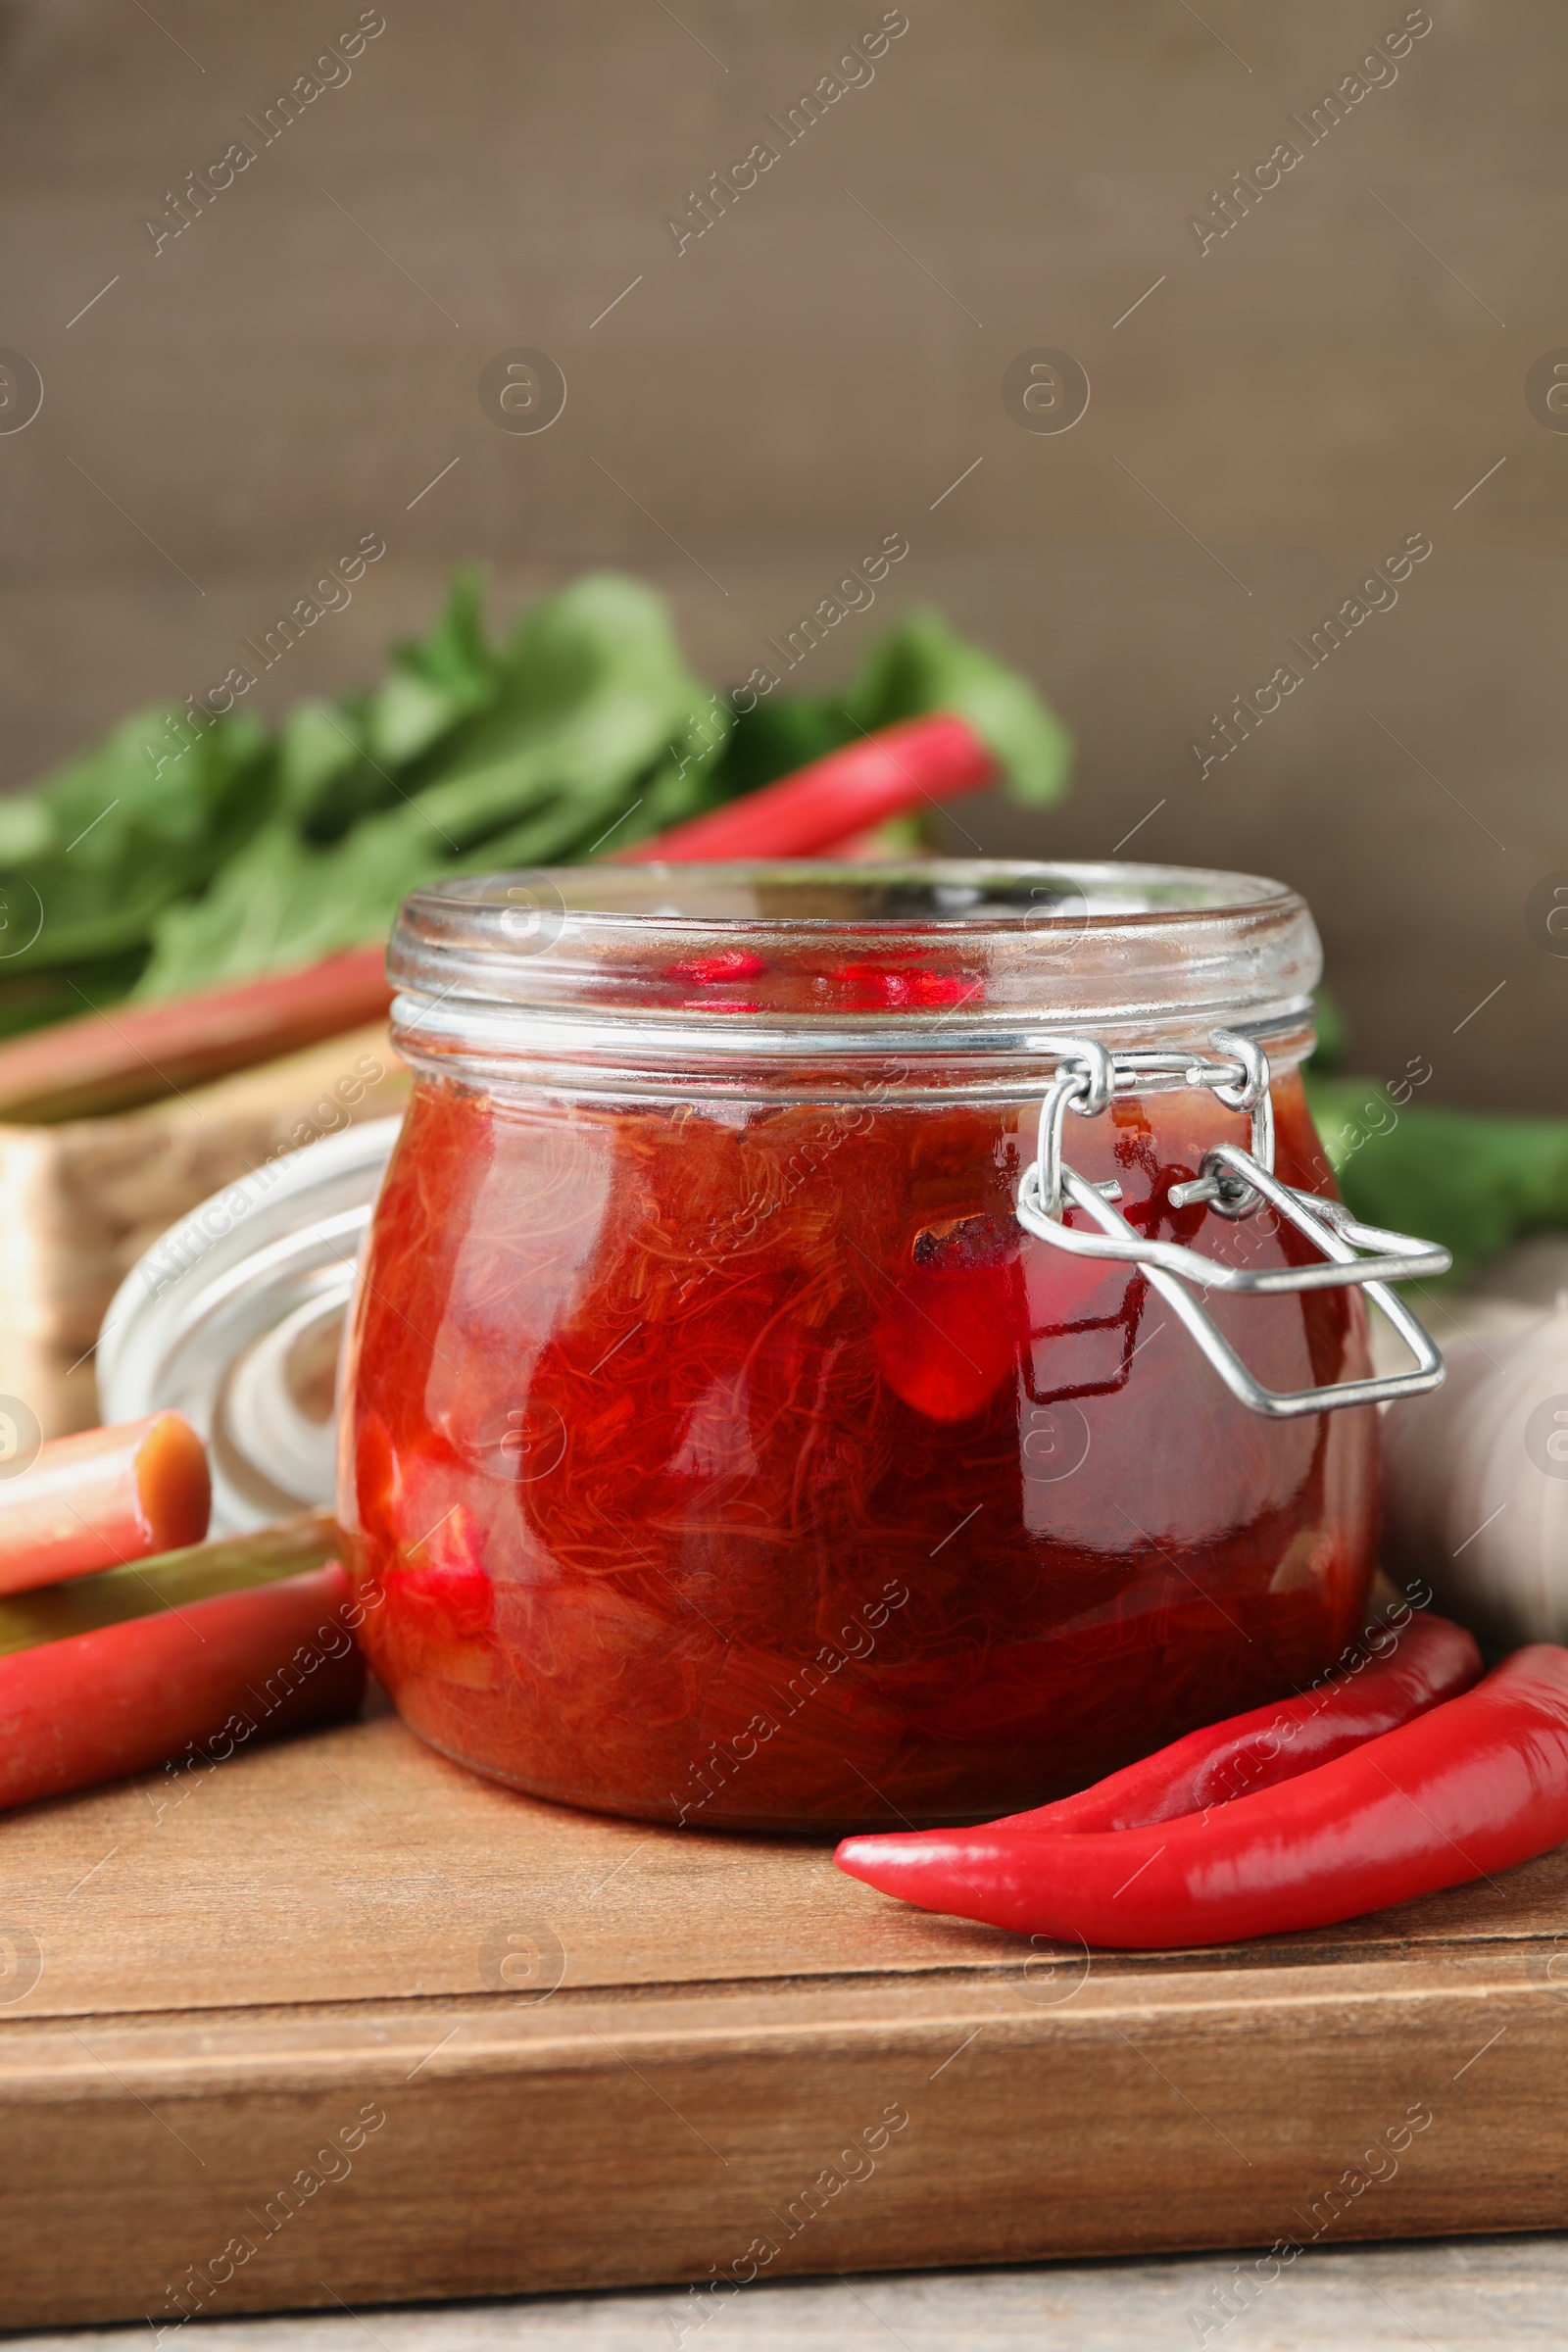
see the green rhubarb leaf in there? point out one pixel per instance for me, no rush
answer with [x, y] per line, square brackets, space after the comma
[922, 666]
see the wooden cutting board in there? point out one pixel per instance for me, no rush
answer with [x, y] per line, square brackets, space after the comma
[336, 2022]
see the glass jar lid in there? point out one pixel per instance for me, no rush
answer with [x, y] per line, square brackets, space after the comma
[233, 1317]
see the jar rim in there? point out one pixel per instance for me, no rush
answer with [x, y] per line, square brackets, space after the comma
[597, 971]
[964, 893]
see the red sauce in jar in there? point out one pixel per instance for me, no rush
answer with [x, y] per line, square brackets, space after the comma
[748, 1465]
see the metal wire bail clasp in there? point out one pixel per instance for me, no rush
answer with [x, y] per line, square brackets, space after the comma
[1235, 1184]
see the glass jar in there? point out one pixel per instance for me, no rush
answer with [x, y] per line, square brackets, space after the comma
[718, 1445]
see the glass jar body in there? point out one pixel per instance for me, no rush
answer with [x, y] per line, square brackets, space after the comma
[742, 1462]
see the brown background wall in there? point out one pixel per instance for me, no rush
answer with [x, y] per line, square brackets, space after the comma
[816, 371]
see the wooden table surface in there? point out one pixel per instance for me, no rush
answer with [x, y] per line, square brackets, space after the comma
[338, 2023]
[1451, 2295]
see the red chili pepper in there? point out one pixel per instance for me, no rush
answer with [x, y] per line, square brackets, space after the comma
[102, 1499]
[898, 768]
[886, 988]
[948, 1336]
[712, 971]
[128, 1697]
[1468, 1788]
[1433, 1661]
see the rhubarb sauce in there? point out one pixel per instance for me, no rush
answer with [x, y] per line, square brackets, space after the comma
[745, 1464]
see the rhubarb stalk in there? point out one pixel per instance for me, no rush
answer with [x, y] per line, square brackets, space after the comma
[104, 1497]
[212, 1677]
[79, 1068]
[912, 765]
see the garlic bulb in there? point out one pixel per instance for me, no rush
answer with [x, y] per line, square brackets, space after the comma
[1475, 1478]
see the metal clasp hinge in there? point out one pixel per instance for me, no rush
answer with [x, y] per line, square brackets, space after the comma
[1234, 1183]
